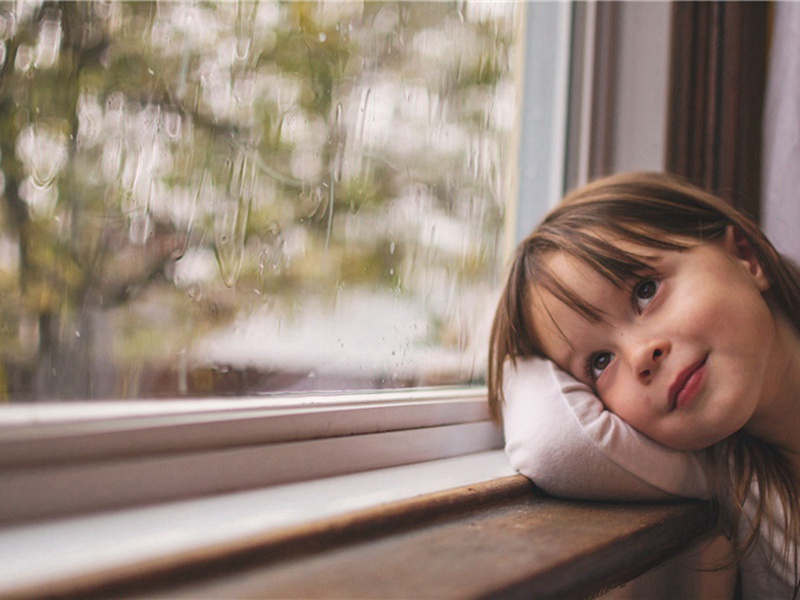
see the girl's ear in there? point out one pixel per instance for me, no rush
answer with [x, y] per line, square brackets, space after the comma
[737, 244]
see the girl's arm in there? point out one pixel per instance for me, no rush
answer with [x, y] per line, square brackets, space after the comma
[559, 435]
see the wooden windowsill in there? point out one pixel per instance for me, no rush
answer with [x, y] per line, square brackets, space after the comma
[501, 538]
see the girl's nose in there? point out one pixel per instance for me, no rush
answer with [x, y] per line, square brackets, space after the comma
[650, 358]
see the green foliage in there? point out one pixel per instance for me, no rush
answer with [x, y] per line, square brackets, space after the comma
[143, 98]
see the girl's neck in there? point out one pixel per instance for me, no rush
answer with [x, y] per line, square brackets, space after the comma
[777, 419]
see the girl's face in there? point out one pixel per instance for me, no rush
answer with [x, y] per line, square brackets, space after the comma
[685, 355]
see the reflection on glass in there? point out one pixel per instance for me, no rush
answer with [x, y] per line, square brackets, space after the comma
[244, 197]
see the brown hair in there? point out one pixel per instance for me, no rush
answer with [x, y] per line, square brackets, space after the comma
[654, 210]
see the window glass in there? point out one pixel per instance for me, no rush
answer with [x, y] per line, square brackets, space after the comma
[204, 198]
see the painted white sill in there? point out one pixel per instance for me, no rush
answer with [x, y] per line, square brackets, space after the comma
[54, 551]
[60, 460]
[52, 413]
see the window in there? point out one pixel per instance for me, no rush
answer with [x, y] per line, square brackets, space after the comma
[226, 198]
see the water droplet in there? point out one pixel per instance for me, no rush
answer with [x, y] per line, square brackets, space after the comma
[172, 124]
[49, 42]
[338, 163]
[140, 228]
[329, 230]
[231, 183]
[43, 147]
[227, 248]
[24, 59]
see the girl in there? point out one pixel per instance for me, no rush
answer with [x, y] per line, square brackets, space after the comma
[685, 321]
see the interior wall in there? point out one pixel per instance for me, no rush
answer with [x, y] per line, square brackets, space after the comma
[640, 87]
[619, 89]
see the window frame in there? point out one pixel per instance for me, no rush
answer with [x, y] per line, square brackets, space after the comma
[55, 469]
[63, 462]
[40, 443]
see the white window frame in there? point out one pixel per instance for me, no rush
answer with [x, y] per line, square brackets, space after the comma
[87, 437]
[55, 469]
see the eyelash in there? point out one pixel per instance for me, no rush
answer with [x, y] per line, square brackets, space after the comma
[635, 300]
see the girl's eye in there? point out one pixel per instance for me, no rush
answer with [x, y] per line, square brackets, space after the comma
[643, 293]
[598, 363]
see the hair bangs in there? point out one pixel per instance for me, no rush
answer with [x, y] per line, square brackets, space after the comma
[597, 246]
[547, 280]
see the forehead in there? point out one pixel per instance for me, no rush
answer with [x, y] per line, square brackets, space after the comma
[557, 325]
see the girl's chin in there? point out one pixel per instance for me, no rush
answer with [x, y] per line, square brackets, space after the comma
[693, 441]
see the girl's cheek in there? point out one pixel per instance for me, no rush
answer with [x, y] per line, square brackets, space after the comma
[605, 384]
[617, 393]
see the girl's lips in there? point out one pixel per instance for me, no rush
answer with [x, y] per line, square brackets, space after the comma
[687, 384]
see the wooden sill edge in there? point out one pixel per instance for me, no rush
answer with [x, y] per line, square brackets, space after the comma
[290, 541]
[314, 537]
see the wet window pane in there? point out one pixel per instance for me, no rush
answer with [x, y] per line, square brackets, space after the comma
[249, 197]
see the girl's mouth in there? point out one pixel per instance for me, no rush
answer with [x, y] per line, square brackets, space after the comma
[686, 385]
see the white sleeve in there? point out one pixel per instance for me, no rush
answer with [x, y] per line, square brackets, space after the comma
[559, 435]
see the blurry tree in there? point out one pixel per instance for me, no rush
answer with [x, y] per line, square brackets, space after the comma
[290, 147]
